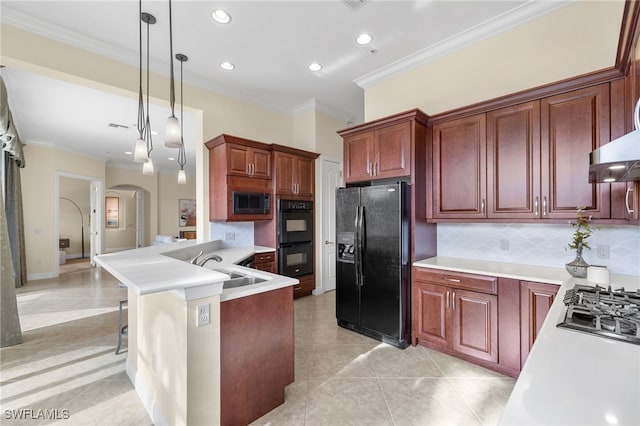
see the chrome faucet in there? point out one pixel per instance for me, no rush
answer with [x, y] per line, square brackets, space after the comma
[208, 258]
[195, 259]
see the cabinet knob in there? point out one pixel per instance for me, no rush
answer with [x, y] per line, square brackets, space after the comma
[328, 242]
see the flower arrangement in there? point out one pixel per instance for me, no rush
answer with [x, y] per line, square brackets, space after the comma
[582, 233]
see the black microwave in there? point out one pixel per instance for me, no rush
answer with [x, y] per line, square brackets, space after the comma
[251, 203]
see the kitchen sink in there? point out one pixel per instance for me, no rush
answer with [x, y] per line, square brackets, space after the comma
[241, 281]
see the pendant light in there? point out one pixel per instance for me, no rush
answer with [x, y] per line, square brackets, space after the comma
[147, 168]
[182, 157]
[140, 153]
[172, 132]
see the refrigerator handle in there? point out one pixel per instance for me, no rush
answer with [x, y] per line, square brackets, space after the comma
[360, 246]
[356, 255]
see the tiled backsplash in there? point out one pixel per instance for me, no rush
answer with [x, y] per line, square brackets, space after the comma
[543, 245]
[232, 234]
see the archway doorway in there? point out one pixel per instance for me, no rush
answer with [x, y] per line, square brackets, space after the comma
[128, 229]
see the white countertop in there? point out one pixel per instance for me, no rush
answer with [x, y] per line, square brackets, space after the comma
[569, 378]
[541, 274]
[150, 270]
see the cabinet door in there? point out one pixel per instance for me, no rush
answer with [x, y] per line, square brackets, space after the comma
[513, 162]
[358, 157]
[238, 159]
[261, 164]
[535, 301]
[284, 165]
[305, 176]
[475, 324]
[430, 313]
[459, 168]
[393, 151]
[572, 125]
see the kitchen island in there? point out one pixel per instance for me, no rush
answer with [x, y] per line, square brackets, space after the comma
[569, 377]
[175, 364]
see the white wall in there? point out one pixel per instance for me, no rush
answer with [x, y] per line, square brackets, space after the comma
[577, 39]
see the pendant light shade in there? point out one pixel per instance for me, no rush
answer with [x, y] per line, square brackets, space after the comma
[182, 177]
[172, 131]
[140, 155]
[147, 168]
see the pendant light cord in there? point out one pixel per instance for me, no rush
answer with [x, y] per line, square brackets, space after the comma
[182, 156]
[140, 100]
[148, 122]
[172, 93]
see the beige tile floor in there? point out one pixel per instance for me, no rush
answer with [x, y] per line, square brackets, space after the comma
[67, 363]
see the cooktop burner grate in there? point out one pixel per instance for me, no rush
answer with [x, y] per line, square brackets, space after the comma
[605, 312]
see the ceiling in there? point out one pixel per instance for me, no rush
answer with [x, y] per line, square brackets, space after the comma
[271, 44]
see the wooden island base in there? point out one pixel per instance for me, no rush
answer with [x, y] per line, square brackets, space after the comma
[256, 354]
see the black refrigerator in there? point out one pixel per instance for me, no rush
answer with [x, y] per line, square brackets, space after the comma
[372, 263]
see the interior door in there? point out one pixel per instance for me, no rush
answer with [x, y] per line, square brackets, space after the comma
[331, 176]
[380, 297]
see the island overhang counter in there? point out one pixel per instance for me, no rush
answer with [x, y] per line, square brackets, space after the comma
[174, 364]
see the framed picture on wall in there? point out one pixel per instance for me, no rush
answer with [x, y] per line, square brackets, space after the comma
[112, 212]
[187, 212]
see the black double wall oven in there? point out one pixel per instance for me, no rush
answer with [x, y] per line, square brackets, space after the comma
[295, 238]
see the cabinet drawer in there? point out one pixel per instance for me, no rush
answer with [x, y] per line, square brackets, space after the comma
[264, 257]
[266, 266]
[461, 280]
[306, 286]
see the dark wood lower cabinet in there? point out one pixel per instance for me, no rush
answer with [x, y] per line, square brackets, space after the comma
[485, 320]
[455, 320]
[256, 354]
[265, 262]
[305, 287]
[535, 301]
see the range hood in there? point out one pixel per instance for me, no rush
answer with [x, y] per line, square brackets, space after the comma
[618, 160]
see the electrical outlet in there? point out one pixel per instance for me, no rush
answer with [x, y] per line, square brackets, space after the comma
[603, 251]
[229, 236]
[203, 315]
[504, 245]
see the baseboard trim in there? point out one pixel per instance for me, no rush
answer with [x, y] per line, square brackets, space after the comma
[146, 397]
[41, 276]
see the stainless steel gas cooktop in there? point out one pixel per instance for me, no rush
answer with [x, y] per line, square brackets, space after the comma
[603, 311]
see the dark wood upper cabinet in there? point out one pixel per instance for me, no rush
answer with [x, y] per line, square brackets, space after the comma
[513, 162]
[378, 154]
[294, 172]
[247, 161]
[237, 164]
[358, 157]
[572, 125]
[459, 168]
[392, 151]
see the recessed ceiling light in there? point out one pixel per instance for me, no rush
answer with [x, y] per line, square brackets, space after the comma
[221, 16]
[128, 152]
[227, 66]
[315, 66]
[364, 38]
[171, 158]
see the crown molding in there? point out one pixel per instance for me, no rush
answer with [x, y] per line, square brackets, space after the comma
[508, 20]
